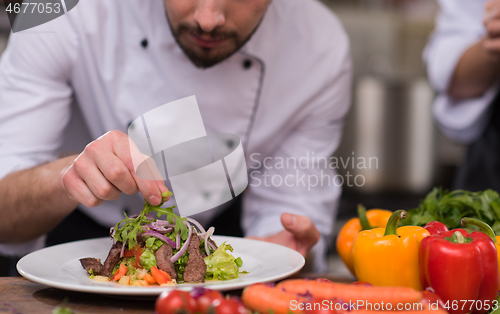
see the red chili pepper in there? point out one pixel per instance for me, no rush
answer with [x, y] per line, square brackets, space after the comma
[462, 269]
[435, 227]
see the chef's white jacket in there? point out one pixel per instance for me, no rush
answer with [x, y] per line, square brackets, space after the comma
[285, 93]
[459, 25]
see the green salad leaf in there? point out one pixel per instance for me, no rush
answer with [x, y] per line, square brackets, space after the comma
[221, 264]
[148, 259]
[132, 227]
[450, 207]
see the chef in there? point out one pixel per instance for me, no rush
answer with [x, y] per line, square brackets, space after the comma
[463, 61]
[275, 73]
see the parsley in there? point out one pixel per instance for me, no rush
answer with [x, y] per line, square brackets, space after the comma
[450, 207]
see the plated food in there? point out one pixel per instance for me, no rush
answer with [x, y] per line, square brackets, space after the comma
[149, 251]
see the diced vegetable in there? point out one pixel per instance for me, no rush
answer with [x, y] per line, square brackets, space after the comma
[149, 279]
[160, 276]
[125, 281]
[121, 272]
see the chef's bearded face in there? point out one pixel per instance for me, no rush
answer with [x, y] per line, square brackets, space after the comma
[209, 31]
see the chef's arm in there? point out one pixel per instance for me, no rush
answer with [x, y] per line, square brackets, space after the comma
[477, 70]
[479, 66]
[37, 199]
[34, 201]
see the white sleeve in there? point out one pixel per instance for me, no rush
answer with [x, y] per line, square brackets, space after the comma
[459, 25]
[303, 189]
[34, 102]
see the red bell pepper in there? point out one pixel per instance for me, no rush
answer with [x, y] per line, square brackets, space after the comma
[435, 227]
[462, 269]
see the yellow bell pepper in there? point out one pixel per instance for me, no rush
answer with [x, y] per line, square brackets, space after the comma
[389, 256]
[366, 221]
[489, 231]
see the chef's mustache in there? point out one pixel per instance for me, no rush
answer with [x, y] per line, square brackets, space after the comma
[216, 34]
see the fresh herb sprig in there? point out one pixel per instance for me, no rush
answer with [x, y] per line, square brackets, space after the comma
[450, 207]
[132, 227]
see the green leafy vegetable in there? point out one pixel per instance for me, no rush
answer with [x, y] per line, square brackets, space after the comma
[148, 259]
[132, 227]
[450, 207]
[153, 243]
[238, 262]
[221, 264]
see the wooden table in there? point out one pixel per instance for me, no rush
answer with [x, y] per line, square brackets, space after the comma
[18, 295]
[21, 296]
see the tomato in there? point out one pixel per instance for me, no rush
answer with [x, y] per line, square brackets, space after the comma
[175, 302]
[129, 253]
[229, 306]
[137, 261]
[206, 300]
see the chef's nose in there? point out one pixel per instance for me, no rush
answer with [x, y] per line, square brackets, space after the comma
[209, 14]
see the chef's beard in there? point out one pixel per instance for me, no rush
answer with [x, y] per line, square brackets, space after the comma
[207, 57]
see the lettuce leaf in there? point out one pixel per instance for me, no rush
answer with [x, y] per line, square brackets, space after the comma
[222, 265]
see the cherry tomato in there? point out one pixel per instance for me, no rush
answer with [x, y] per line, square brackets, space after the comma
[229, 306]
[175, 302]
[206, 300]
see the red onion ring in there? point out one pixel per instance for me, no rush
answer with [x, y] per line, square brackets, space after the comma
[185, 246]
[197, 224]
[159, 228]
[160, 236]
[178, 240]
[123, 249]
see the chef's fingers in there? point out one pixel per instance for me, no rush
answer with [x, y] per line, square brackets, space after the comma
[116, 172]
[303, 230]
[492, 10]
[78, 190]
[148, 179]
[493, 28]
[492, 45]
[87, 170]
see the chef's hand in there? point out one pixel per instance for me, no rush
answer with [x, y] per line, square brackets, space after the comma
[492, 23]
[105, 169]
[300, 233]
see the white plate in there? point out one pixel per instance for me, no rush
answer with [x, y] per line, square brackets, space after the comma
[59, 266]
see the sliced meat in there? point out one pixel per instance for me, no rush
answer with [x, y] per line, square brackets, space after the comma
[195, 268]
[140, 241]
[92, 264]
[163, 256]
[113, 259]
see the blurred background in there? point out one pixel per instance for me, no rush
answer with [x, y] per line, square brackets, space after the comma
[391, 114]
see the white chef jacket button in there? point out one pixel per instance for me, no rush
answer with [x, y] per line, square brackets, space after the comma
[144, 43]
[247, 64]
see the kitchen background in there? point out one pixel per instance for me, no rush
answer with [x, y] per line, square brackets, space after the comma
[391, 114]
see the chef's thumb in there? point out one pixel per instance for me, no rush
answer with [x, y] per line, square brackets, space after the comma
[301, 227]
